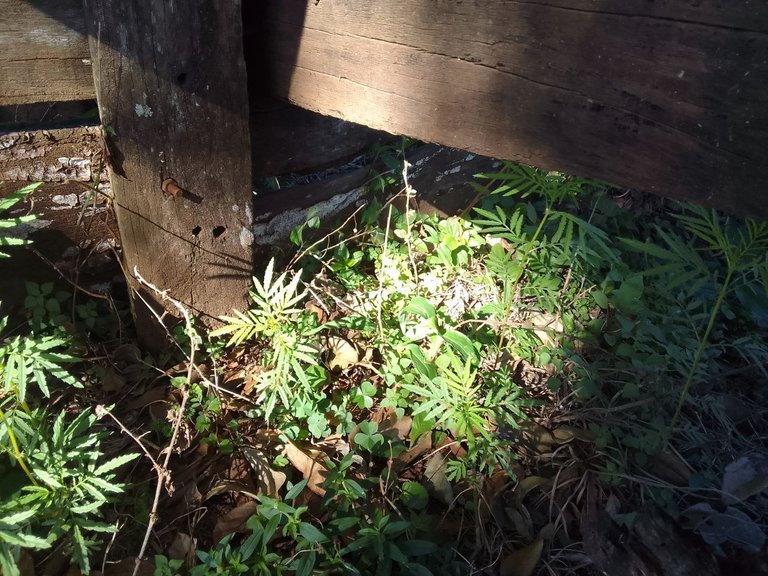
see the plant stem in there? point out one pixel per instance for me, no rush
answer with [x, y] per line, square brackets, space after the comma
[16, 452]
[513, 291]
[703, 343]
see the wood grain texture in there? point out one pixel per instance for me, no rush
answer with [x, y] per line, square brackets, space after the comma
[668, 96]
[43, 52]
[171, 87]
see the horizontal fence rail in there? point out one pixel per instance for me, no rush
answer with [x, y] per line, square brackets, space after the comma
[668, 97]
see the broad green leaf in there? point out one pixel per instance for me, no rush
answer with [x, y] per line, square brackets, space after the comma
[103, 484]
[462, 344]
[8, 565]
[423, 367]
[415, 496]
[87, 508]
[418, 547]
[9, 201]
[396, 527]
[395, 553]
[414, 569]
[600, 298]
[94, 526]
[47, 478]
[421, 307]
[80, 550]
[295, 490]
[311, 533]
[648, 248]
[345, 523]
[305, 563]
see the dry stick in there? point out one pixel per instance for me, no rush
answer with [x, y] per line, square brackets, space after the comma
[102, 411]
[203, 378]
[109, 546]
[304, 252]
[106, 297]
[410, 196]
[163, 474]
[380, 293]
[68, 280]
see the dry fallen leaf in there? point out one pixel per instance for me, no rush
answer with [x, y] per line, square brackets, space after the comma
[112, 381]
[390, 425]
[251, 378]
[613, 506]
[494, 485]
[522, 562]
[234, 520]
[310, 467]
[25, 564]
[536, 438]
[234, 486]
[126, 567]
[492, 489]
[670, 467]
[529, 483]
[341, 353]
[268, 481]
[564, 434]
[187, 497]
[424, 444]
[519, 520]
[437, 479]
[182, 548]
[545, 325]
[151, 396]
[745, 478]
[322, 317]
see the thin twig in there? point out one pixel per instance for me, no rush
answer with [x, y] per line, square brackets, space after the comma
[203, 378]
[163, 475]
[67, 279]
[410, 196]
[380, 294]
[102, 411]
[304, 252]
[109, 546]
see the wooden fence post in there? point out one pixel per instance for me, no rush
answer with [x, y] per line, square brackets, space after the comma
[171, 86]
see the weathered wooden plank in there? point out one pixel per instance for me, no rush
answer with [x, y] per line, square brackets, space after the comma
[744, 16]
[171, 87]
[295, 140]
[279, 213]
[57, 155]
[73, 232]
[668, 97]
[442, 178]
[43, 52]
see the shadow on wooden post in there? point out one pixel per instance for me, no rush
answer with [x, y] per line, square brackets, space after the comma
[171, 86]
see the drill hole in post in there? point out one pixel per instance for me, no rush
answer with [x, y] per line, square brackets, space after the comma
[218, 231]
[196, 230]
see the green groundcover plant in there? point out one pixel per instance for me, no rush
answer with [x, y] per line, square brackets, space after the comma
[433, 314]
[397, 331]
[54, 480]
